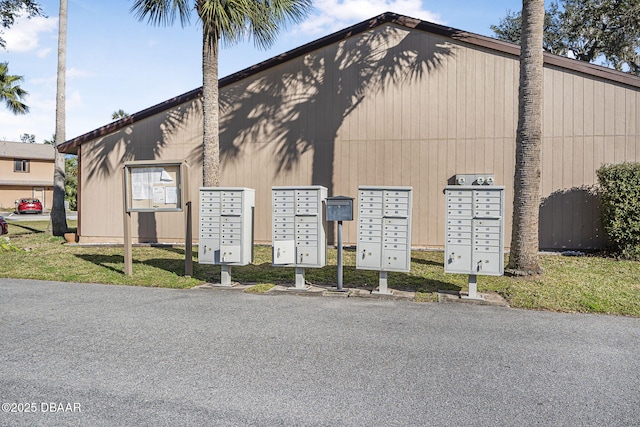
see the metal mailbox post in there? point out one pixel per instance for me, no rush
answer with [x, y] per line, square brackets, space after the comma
[298, 229]
[474, 221]
[339, 208]
[226, 228]
[384, 231]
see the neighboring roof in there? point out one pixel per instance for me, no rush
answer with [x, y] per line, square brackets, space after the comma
[71, 145]
[27, 183]
[26, 151]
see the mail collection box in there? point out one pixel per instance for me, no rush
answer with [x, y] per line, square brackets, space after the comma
[384, 228]
[474, 221]
[226, 225]
[298, 226]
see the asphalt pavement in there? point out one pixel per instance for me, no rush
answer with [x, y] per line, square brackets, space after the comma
[105, 355]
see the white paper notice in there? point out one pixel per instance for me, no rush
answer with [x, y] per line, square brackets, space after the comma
[172, 195]
[158, 195]
[141, 183]
[165, 177]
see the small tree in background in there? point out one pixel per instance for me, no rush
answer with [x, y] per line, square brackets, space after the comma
[28, 138]
[120, 114]
[10, 91]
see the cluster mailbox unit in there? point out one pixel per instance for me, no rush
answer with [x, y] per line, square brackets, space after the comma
[474, 228]
[384, 230]
[299, 236]
[226, 228]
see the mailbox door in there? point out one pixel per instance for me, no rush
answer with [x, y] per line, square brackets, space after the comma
[208, 251]
[458, 259]
[284, 252]
[368, 256]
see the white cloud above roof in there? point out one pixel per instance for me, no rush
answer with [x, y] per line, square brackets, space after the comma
[24, 35]
[334, 15]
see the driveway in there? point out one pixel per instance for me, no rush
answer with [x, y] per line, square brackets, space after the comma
[98, 355]
[44, 216]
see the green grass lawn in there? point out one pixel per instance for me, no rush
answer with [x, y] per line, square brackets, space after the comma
[590, 284]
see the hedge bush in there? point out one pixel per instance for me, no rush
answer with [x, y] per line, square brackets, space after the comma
[619, 191]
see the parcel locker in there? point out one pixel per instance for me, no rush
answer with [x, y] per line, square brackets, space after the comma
[226, 225]
[474, 221]
[298, 226]
[384, 228]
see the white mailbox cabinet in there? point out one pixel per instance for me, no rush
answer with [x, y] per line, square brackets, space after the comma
[226, 225]
[384, 228]
[299, 236]
[474, 230]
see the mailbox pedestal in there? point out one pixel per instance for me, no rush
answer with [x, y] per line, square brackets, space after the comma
[474, 221]
[226, 228]
[384, 231]
[298, 227]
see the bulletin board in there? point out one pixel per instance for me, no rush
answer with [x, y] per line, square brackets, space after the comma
[153, 186]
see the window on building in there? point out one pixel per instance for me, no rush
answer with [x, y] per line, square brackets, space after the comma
[21, 165]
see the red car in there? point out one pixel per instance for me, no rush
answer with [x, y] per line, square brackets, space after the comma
[4, 228]
[29, 206]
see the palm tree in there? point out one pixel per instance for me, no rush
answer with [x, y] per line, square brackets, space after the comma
[523, 258]
[11, 92]
[230, 22]
[58, 214]
[120, 114]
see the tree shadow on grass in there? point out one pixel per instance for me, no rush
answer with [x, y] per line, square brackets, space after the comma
[24, 227]
[427, 262]
[267, 273]
[327, 276]
[115, 263]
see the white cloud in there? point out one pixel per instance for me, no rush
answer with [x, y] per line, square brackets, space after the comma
[74, 100]
[40, 121]
[333, 15]
[24, 34]
[76, 72]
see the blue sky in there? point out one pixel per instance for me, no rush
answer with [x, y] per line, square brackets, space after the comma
[116, 62]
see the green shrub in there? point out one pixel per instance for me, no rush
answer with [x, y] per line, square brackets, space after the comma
[619, 190]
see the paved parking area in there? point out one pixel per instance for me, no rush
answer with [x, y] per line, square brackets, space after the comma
[103, 355]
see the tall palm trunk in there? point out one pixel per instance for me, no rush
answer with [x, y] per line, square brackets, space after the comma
[211, 113]
[58, 214]
[523, 259]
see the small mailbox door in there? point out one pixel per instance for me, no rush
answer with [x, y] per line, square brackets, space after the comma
[339, 208]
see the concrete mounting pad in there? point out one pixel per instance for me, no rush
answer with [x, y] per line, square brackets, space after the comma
[232, 287]
[490, 298]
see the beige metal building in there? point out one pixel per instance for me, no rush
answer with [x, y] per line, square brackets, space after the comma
[389, 101]
[26, 170]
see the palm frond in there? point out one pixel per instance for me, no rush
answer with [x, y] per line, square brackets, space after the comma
[230, 21]
[162, 12]
[11, 92]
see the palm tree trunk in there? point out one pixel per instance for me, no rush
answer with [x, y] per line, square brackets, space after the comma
[523, 258]
[210, 112]
[58, 214]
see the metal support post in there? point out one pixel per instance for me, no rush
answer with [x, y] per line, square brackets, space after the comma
[473, 288]
[225, 275]
[300, 282]
[382, 285]
[188, 243]
[340, 256]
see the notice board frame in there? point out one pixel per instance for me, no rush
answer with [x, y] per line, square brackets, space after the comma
[171, 178]
[154, 186]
